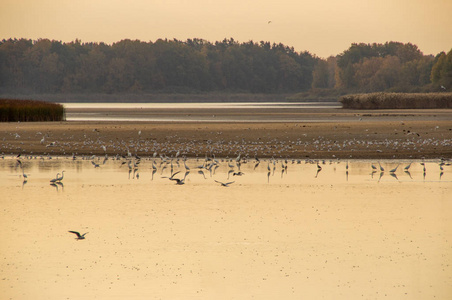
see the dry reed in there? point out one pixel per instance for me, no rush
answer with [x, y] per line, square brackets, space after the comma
[397, 101]
[13, 110]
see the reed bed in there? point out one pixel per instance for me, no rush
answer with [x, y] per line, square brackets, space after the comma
[397, 101]
[13, 110]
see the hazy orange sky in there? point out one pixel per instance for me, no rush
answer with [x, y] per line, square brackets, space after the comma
[322, 27]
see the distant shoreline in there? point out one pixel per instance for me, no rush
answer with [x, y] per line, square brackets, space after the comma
[214, 97]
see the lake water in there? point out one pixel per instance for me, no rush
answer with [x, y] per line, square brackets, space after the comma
[199, 112]
[304, 233]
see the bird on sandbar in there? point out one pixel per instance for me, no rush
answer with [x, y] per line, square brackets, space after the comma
[79, 236]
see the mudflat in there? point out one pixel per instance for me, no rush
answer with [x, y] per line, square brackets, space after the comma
[327, 134]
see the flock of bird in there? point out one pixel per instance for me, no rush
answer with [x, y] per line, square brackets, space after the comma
[94, 142]
[176, 164]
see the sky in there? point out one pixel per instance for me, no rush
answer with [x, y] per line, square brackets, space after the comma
[322, 27]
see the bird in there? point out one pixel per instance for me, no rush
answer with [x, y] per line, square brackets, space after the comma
[62, 176]
[394, 170]
[423, 164]
[26, 176]
[79, 236]
[407, 167]
[238, 174]
[172, 176]
[55, 179]
[381, 168]
[186, 167]
[181, 181]
[224, 184]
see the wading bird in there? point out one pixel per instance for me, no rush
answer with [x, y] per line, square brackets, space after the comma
[79, 236]
[62, 176]
[394, 170]
[55, 179]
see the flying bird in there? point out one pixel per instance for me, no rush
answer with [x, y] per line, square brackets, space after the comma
[79, 236]
[224, 184]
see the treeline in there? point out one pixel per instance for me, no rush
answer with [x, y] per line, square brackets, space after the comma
[390, 67]
[45, 66]
[196, 65]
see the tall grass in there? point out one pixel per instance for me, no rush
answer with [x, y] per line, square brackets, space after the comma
[13, 110]
[397, 100]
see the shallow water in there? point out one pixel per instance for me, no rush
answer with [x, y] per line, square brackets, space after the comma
[304, 233]
[198, 112]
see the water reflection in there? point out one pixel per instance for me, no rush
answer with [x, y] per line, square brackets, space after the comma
[292, 228]
[355, 170]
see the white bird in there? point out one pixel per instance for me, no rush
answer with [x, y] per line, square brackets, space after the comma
[79, 236]
[224, 184]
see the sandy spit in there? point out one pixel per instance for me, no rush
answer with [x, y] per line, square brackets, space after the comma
[378, 139]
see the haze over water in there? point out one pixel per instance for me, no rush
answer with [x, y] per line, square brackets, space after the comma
[331, 233]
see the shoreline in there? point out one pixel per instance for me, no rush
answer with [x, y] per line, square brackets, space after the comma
[407, 139]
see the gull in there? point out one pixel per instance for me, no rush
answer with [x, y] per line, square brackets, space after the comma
[180, 181]
[407, 167]
[186, 167]
[79, 236]
[395, 169]
[257, 164]
[26, 176]
[238, 174]
[172, 176]
[423, 164]
[224, 184]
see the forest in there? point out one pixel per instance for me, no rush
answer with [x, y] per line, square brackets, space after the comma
[196, 66]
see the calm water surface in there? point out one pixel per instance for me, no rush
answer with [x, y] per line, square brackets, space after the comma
[197, 112]
[336, 233]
